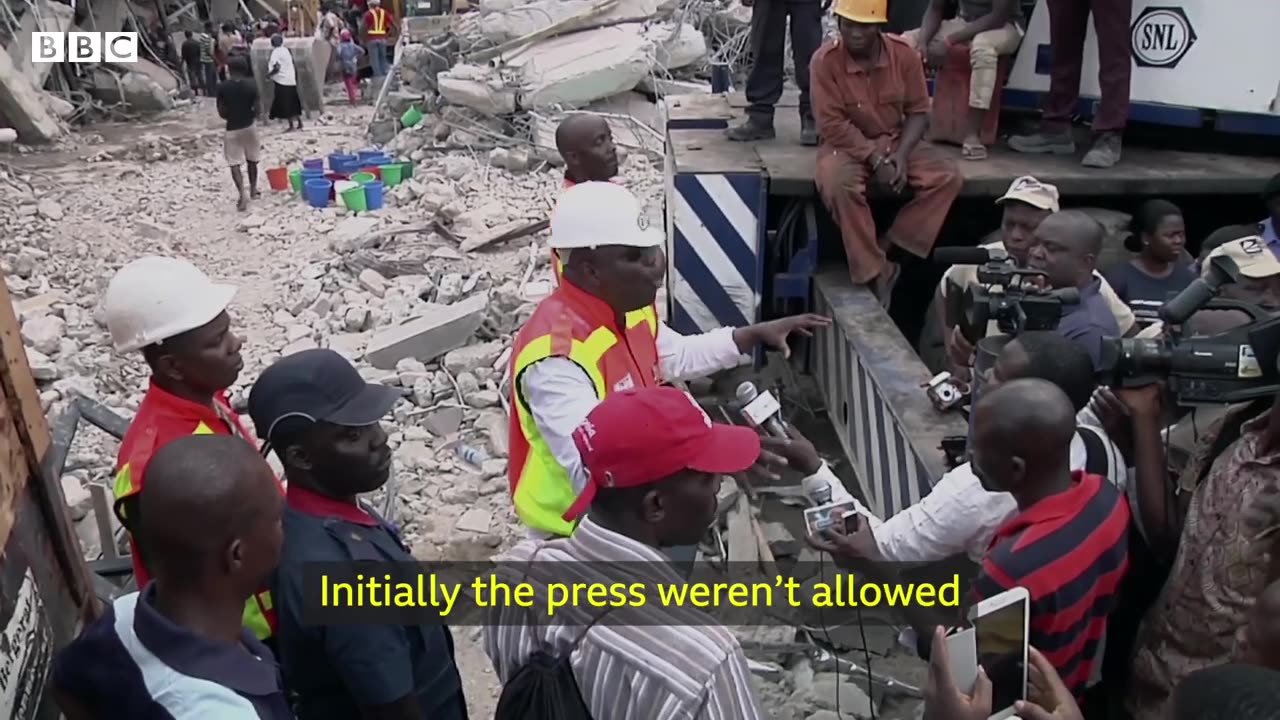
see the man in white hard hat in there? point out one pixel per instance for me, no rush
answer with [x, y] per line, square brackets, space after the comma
[177, 317]
[599, 333]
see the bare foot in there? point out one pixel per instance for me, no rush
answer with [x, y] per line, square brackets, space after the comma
[243, 203]
[255, 194]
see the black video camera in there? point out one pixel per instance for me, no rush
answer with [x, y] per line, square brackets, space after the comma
[1235, 366]
[1000, 295]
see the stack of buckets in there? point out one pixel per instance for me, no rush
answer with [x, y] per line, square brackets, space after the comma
[355, 182]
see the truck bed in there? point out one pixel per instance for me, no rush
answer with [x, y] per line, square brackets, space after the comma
[700, 147]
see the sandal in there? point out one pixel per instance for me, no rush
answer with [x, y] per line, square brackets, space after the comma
[973, 152]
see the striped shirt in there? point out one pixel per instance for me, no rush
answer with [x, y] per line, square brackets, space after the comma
[646, 671]
[1070, 551]
[135, 663]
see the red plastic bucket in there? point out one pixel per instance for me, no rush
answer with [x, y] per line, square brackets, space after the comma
[377, 171]
[278, 178]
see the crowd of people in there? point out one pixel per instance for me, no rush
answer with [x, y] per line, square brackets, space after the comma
[1144, 533]
[864, 103]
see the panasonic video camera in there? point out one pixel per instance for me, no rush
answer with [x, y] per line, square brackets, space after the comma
[1235, 366]
[1001, 295]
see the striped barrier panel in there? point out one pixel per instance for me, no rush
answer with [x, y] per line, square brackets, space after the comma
[715, 266]
[871, 383]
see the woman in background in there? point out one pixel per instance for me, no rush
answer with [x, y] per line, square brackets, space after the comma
[1161, 268]
[285, 104]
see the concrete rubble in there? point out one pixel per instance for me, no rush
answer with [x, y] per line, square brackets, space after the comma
[424, 296]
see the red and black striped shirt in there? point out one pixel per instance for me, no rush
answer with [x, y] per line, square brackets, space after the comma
[1070, 551]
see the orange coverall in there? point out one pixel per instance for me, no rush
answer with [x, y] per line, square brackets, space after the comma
[860, 114]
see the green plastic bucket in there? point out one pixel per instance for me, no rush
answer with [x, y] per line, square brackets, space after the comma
[364, 177]
[408, 171]
[295, 181]
[354, 199]
[392, 174]
[411, 117]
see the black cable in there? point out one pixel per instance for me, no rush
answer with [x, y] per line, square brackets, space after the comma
[866, 649]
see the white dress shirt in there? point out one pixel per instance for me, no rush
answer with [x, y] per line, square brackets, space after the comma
[960, 516]
[560, 394]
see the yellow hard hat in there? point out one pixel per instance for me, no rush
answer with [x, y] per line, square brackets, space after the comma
[863, 11]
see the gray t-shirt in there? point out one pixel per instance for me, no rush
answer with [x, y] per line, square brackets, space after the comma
[971, 10]
[1089, 321]
[1145, 294]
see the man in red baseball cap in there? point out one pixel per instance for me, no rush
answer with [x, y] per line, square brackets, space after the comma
[653, 460]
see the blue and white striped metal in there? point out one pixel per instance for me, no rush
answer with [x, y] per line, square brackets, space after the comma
[715, 269]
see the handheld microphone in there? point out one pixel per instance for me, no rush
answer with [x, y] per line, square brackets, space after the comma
[964, 256]
[761, 409]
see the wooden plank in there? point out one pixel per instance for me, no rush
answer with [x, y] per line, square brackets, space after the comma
[1144, 171]
[709, 151]
[695, 108]
[20, 387]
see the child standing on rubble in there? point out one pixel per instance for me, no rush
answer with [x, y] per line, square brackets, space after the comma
[349, 55]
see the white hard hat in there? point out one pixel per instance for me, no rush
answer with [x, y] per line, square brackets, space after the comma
[592, 214]
[155, 298]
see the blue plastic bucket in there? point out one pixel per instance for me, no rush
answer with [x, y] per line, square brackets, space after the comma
[312, 174]
[317, 191]
[338, 160]
[313, 164]
[364, 155]
[373, 194]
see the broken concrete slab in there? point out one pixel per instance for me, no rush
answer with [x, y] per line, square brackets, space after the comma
[48, 17]
[677, 45]
[477, 88]
[505, 20]
[136, 90]
[426, 338]
[310, 60]
[20, 103]
[579, 68]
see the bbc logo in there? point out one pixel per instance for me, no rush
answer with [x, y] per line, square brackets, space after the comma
[86, 47]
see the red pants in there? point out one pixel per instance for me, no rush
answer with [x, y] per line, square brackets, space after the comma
[1068, 26]
[352, 84]
[842, 182]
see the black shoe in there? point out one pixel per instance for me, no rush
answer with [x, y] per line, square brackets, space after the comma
[750, 131]
[808, 132]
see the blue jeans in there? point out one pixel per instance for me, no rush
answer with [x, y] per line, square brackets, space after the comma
[210, 78]
[378, 57]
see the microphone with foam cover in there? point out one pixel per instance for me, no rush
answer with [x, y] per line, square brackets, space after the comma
[961, 256]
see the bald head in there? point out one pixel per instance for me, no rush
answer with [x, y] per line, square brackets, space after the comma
[1065, 247]
[208, 511]
[586, 144]
[1022, 434]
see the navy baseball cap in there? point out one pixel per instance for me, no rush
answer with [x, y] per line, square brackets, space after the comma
[317, 385]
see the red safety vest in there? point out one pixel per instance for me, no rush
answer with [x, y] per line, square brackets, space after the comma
[377, 22]
[574, 324]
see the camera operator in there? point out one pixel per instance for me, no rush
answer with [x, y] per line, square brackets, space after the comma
[1066, 247]
[1216, 571]
[1025, 205]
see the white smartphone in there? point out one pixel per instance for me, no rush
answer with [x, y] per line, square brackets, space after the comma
[1000, 625]
[962, 659]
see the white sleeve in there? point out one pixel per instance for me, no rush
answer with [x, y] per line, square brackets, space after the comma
[957, 516]
[560, 394]
[682, 357]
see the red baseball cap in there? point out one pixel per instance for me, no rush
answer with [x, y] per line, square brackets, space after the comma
[641, 436]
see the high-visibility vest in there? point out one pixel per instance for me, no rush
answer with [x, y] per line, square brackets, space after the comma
[379, 24]
[574, 324]
[259, 610]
